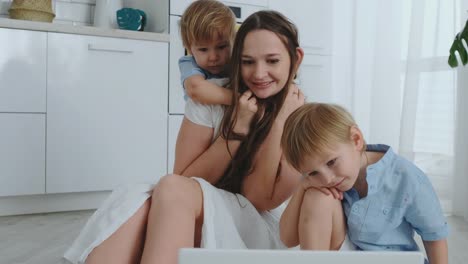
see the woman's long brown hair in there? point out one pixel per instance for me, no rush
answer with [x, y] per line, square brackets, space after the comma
[242, 162]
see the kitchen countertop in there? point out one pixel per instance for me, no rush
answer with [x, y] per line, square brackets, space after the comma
[82, 30]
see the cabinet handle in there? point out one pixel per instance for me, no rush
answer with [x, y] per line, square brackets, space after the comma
[313, 47]
[81, 2]
[105, 49]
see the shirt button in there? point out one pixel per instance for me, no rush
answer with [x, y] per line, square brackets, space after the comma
[385, 211]
[354, 210]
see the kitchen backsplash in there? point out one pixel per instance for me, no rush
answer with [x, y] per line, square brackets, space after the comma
[73, 12]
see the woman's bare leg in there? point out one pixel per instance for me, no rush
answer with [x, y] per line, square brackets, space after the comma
[126, 244]
[321, 223]
[174, 220]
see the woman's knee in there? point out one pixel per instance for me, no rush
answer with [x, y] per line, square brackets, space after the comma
[169, 187]
[321, 207]
[316, 200]
[176, 189]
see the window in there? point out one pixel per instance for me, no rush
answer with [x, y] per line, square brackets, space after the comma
[436, 84]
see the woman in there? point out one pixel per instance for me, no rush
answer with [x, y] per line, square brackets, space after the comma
[244, 163]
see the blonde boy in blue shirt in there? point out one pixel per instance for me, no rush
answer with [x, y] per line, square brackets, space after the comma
[386, 197]
[207, 28]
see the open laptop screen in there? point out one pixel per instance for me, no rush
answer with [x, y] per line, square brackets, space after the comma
[218, 256]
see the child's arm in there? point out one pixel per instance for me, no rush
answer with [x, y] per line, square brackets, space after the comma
[206, 92]
[425, 214]
[437, 251]
[289, 222]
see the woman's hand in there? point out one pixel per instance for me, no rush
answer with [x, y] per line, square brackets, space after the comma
[294, 99]
[247, 109]
[310, 182]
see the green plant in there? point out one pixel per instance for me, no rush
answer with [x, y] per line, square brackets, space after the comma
[458, 46]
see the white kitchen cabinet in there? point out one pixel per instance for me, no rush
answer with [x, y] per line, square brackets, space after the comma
[176, 51]
[314, 20]
[106, 112]
[22, 154]
[22, 71]
[315, 78]
[175, 121]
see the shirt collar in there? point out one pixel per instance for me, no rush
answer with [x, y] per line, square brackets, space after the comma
[376, 171]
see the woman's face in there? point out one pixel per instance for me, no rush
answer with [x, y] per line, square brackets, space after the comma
[265, 63]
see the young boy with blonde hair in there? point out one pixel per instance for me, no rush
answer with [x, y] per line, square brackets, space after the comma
[386, 198]
[207, 28]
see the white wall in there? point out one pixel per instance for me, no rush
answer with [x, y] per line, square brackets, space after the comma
[343, 59]
[460, 195]
[73, 12]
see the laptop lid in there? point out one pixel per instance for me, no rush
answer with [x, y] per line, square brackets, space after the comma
[217, 256]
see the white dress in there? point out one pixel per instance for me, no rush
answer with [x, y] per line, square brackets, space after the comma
[230, 220]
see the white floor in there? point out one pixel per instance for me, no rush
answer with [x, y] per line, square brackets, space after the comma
[42, 238]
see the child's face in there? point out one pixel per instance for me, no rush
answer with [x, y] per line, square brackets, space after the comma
[212, 56]
[265, 63]
[337, 168]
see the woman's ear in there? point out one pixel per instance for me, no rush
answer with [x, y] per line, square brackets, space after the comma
[357, 138]
[300, 56]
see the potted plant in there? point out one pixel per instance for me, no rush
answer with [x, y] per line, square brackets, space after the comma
[458, 46]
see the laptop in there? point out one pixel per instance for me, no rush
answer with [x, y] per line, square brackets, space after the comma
[235, 256]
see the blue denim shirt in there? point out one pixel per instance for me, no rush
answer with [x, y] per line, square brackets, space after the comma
[400, 200]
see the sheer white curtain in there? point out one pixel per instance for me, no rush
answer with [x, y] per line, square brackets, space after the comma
[404, 92]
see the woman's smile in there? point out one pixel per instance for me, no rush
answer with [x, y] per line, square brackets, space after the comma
[262, 85]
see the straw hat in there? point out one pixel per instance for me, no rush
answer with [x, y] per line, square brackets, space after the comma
[36, 10]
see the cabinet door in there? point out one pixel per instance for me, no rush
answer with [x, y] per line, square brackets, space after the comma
[314, 78]
[106, 112]
[314, 20]
[22, 71]
[175, 121]
[22, 154]
[177, 50]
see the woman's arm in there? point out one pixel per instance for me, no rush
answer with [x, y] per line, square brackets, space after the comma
[437, 251]
[196, 156]
[269, 184]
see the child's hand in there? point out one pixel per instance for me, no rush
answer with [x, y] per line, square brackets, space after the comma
[294, 100]
[310, 182]
[247, 109]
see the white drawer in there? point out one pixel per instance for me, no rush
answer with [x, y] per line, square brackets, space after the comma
[22, 154]
[22, 71]
[106, 112]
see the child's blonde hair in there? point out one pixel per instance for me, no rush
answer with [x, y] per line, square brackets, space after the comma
[313, 129]
[206, 20]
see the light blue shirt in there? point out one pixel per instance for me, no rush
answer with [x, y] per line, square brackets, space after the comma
[188, 67]
[399, 201]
